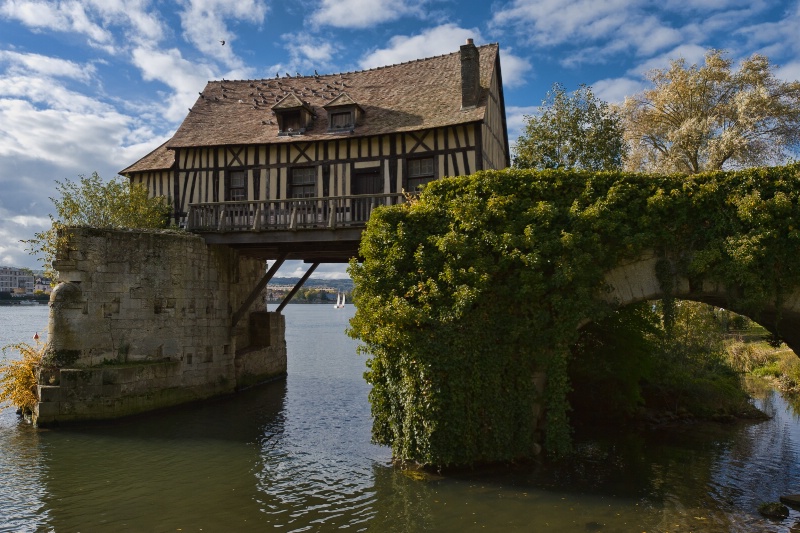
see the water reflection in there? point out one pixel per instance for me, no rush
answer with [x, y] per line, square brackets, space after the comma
[700, 477]
[317, 473]
[22, 490]
[188, 469]
[295, 456]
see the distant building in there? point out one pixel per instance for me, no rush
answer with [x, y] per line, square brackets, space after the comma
[16, 281]
[43, 285]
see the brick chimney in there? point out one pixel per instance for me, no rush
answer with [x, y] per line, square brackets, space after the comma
[470, 75]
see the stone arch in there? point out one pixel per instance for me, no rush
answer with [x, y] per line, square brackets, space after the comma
[635, 280]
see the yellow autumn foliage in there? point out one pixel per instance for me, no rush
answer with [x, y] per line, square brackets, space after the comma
[18, 377]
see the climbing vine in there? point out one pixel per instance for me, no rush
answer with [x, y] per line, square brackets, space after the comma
[466, 292]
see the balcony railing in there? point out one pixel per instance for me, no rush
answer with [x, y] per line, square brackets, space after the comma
[289, 214]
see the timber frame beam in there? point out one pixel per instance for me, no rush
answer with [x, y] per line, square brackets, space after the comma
[297, 287]
[257, 290]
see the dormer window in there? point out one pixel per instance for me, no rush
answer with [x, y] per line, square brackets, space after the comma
[341, 120]
[293, 115]
[344, 114]
[291, 121]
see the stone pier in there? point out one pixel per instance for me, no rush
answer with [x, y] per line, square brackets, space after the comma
[142, 320]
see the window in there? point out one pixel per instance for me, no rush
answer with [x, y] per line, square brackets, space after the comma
[341, 120]
[304, 182]
[290, 121]
[420, 172]
[237, 186]
[367, 181]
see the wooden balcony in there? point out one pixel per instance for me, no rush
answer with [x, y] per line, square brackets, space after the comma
[315, 230]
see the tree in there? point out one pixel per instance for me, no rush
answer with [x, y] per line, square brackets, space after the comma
[91, 202]
[572, 131]
[708, 117]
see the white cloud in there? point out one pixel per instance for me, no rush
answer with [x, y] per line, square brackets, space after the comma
[515, 120]
[780, 35]
[550, 22]
[58, 16]
[650, 35]
[103, 22]
[597, 30]
[297, 269]
[705, 6]
[691, 53]
[63, 138]
[12, 251]
[443, 39]
[789, 72]
[15, 228]
[362, 13]
[143, 25]
[185, 78]
[514, 68]
[614, 90]
[204, 25]
[306, 54]
[20, 63]
[47, 93]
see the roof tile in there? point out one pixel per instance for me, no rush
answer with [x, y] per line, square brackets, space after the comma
[420, 94]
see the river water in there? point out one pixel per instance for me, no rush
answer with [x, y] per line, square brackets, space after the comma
[295, 455]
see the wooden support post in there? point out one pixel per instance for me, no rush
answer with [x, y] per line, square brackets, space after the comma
[221, 221]
[257, 219]
[293, 219]
[297, 287]
[259, 287]
[332, 214]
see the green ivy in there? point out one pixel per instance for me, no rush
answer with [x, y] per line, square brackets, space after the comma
[483, 280]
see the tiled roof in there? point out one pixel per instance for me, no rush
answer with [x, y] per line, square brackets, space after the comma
[420, 94]
[159, 159]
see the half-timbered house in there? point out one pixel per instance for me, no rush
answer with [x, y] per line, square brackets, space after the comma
[378, 131]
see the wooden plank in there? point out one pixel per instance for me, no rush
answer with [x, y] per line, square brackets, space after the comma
[297, 287]
[255, 292]
[176, 190]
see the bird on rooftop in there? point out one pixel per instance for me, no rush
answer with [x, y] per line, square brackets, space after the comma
[316, 73]
[288, 75]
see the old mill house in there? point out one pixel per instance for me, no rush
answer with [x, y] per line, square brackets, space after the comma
[377, 131]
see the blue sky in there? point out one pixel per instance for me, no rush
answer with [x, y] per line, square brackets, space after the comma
[93, 85]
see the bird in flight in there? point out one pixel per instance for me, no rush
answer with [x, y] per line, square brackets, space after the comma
[223, 43]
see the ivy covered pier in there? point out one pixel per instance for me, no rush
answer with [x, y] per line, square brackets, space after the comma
[483, 282]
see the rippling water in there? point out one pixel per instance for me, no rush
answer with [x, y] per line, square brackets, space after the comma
[295, 455]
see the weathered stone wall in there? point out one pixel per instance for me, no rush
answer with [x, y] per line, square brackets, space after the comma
[142, 320]
[636, 281]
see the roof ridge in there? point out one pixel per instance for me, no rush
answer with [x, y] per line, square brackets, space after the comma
[418, 60]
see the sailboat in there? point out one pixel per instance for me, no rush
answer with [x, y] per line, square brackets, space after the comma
[339, 301]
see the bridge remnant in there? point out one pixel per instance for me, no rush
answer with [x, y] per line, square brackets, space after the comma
[142, 320]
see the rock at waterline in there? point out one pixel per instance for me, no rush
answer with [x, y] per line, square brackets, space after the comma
[774, 510]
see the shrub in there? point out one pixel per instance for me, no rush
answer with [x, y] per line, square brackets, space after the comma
[18, 377]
